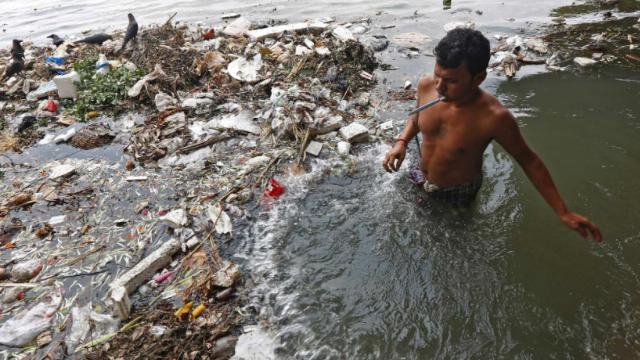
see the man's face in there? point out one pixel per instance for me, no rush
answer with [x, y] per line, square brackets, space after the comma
[456, 83]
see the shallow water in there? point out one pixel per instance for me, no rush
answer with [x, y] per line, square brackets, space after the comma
[350, 266]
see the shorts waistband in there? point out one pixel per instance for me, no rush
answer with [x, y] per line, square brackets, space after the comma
[458, 194]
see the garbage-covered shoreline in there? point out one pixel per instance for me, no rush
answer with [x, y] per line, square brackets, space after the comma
[116, 254]
[201, 123]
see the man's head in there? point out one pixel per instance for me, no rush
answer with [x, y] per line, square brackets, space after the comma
[462, 57]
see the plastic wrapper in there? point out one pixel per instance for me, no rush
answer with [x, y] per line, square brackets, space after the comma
[23, 328]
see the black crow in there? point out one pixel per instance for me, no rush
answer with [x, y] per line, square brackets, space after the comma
[132, 31]
[97, 39]
[16, 49]
[15, 67]
[57, 41]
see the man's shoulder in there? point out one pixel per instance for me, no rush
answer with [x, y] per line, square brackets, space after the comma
[497, 116]
[495, 109]
[426, 83]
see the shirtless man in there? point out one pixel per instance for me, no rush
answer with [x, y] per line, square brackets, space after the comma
[457, 130]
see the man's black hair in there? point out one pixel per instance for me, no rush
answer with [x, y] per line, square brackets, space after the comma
[463, 46]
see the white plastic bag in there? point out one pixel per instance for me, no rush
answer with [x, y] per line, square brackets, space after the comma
[28, 324]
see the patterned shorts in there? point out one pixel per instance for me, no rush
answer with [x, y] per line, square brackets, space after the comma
[458, 195]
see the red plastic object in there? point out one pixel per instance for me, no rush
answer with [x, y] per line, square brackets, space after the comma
[274, 189]
[51, 106]
[209, 35]
[160, 278]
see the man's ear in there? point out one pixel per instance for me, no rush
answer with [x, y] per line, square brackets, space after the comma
[479, 77]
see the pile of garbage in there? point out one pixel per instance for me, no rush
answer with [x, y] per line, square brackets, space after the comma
[120, 258]
[230, 64]
[564, 46]
[612, 41]
[512, 52]
[578, 36]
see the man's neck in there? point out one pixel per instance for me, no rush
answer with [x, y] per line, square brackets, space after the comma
[468, 100]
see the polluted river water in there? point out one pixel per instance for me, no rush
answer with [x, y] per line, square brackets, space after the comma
[353, 267]
[351, 264]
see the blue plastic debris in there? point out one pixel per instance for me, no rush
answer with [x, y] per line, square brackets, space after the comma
[54, 63]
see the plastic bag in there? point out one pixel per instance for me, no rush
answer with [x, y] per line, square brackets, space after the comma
[274, 189]
[28, 324]
[26, 270]
[84, 321]
[79, 327]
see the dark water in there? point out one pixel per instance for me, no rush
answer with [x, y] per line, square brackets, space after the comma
[350, 266]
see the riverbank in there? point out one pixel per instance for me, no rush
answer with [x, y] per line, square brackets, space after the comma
[188, 158]
[198, 138]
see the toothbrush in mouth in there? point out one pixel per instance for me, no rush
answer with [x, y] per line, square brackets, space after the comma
[427, 105]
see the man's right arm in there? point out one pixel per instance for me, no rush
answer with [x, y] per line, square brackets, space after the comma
[394, 158]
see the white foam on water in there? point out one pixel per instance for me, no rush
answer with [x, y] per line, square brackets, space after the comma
[267, 236]
[255, 344]
[274, 295]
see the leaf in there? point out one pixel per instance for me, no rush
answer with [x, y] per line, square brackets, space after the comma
[198, 260]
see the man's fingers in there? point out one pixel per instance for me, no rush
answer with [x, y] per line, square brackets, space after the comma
[393, 160]
[398, 162]
[594, 230]
[583, 232]
[583, 226]
[588, 230]
[597, 234]
[385, 164]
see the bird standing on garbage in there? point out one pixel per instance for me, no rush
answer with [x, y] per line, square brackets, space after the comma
[96, 39]
[16, 49]
[132, 31]
[15, 67]
[57, 41]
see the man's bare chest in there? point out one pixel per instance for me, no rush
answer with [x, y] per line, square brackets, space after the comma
[443, 127]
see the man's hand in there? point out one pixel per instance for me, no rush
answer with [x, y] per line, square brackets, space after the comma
[582, 225]
[395, 157]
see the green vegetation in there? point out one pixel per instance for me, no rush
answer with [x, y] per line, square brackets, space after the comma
[43, 122]
[101, 91]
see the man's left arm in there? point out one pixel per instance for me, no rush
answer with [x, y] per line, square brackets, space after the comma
[508, 135]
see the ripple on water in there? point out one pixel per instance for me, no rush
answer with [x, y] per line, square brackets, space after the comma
[353, 266]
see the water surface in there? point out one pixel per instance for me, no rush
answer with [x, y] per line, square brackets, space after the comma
[35, 19]
[352, 266]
